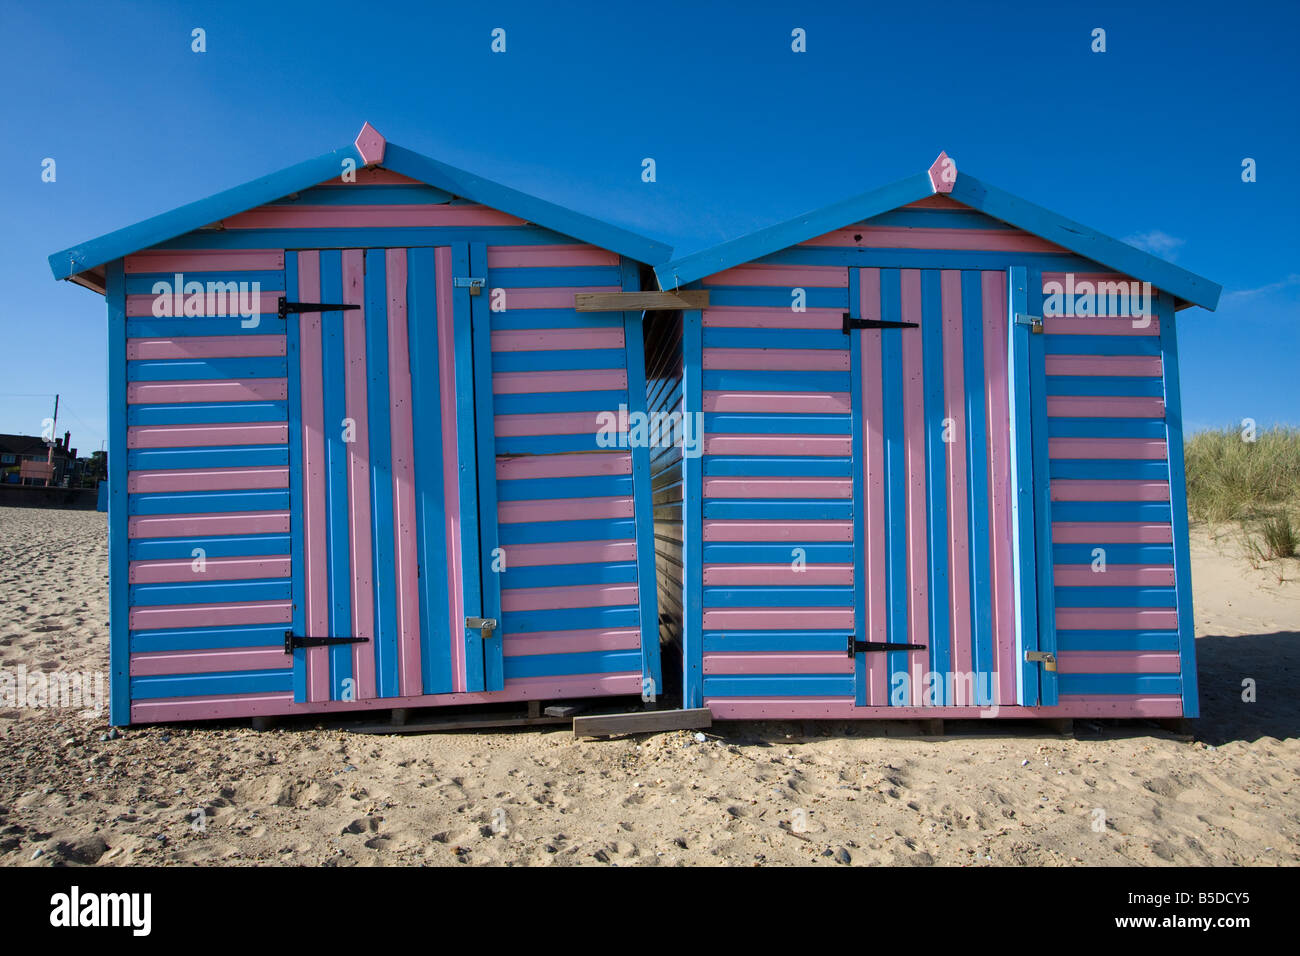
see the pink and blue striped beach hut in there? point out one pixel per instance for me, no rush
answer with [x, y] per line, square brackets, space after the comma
[353, 461]
[941, 468]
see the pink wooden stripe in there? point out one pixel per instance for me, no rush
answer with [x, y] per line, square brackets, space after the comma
[205, 260]
[1110, 532]
[207, 479]
[214, 569]
[206, 346]
[550, 298]
[1081, 489]
[799, 360]
[1105, 406]
[778, 487]
[358, 471]
[568, 552]
[563, 509]
[1093, 277]
[779, 619]
[997, 403]
[1128, 448]
[552, 423]
[536, 257]
[370, 176]
[582, 380]
[747, 317]
[572, 596]
[1117, 575]
[954, 394]
[199, 436]
[210, 661]
[835, 445]
[571, 642]
[1146, 365]
[565, 466]
[806, 662]
[235, 390]
[214, 615]
[142, 305]
[792, 531]
[842, 708]
[400, 417]
[1116, 619]
[913, 398]
[778, 575]
[937, 201]
[1117, 662]
[805, 403]
[314, 527]
[551, 340]
[903, 237]
[789, 277]
[180, 526]
[377, 216]
[450, 464]
[1100, 325]
[873, 446]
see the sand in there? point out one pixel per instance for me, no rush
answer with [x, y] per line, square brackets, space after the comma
[772, 793]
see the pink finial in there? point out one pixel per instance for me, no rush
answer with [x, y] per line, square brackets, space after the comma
[370, 144]
[943, 174]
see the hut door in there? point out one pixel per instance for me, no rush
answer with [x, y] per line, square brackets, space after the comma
[934, 557]
[385, 476]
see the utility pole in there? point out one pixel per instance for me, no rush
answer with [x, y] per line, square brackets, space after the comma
[54, 430]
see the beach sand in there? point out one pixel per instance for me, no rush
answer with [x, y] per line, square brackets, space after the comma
[773, 793]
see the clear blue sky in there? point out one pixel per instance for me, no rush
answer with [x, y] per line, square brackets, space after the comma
[1145, 140]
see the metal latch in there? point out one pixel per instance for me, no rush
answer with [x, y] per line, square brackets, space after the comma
[1046, 658]
[485, 624]
[1035, 322]
[856, 647]
[475, 285]
[852, 323]
[292, 641]
[286, 307]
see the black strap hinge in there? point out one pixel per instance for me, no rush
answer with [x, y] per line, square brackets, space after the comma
[851, 323]
[292, 641]
[286, 307]
[858, 647]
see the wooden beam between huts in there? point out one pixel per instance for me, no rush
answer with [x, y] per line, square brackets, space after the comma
[641, 722]
[640, 301]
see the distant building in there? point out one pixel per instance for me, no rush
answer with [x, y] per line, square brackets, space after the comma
[29, 460]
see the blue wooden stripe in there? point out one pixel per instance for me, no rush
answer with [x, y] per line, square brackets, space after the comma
[467, 472]
[557, 575]
[1101, 345]
[142, 328]
[1141, 386]
[143, 283]
[783, 553]
[1106, 427]
[539, 489]
[1153, 511]
[694, 381]
[546, 402]
[770, 596]
[552, 318]
[232, 546]
[430, 490]
[936, 482]
[741, 423]
[1178, 504]
[337, 505]
[757, 466]
[895, 477]
[1109, 469]
[773, 380]
[223, 456]
[209, 592]
[978, 495]
[558, 360]
[1043, 511]
[1114, 597]
[1116, 554]
[746, 642]
[493, 663]
[204, 638]
[1137, 684]
[204, 685]
[293, 358]
[213, 413]
[779, 685]
[776, 297]
[761, 338]
[364, 237]
[209, 502]
[119, 654]
[1022, 499]
[356, 194]
[1117, 640]
[510, 446]
[857, 550]
[539, 532]
[938, 219]
[587, 662]
[562, 619]
[538, 277]
[168, 370]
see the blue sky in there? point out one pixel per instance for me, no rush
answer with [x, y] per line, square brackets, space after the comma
[1143, 142]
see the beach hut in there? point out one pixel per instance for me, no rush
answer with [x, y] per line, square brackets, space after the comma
[939, 467]
[356, 458]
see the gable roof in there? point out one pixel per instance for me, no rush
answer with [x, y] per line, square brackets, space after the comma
[81, 262]
[1186, 287]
